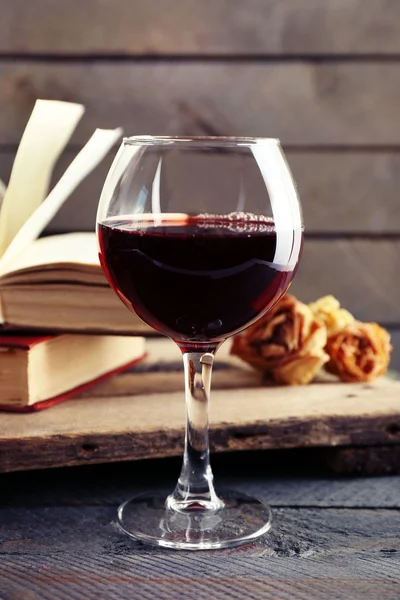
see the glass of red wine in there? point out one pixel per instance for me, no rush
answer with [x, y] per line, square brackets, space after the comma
[200, 237]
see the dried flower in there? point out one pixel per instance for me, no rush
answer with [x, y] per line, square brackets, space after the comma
[360, 352]
[287, 343]
[327, 310]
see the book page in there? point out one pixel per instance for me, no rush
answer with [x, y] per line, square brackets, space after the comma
[2, 191]
[48, 130]
[88, 158]
[64, 248]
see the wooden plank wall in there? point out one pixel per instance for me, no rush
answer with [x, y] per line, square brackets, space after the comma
[324, 77]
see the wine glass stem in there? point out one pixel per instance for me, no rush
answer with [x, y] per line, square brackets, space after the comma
[195, 488]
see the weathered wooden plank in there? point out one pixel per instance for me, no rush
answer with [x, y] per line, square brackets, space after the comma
[348, 191]
[317, 491]
[367, 460]
[369, 575]
[39, 531]
[362, 274]
[395, 341]
[60, 553]
[150, 425]
[301, 103]
[266, 475]
[188, 27]
[340, 192]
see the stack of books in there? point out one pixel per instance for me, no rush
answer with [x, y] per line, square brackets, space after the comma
[62, 327]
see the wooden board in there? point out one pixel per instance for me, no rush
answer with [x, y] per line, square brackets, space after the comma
[363, 274]
[61, 552]
[331, 537]
[110, 425]
[298, 102]
[281, 484]
[395, 341]
[341, 192]
[223, 27]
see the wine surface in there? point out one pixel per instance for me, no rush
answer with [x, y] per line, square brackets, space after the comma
[197, 280]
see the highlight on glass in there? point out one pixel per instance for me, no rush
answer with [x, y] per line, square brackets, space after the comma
[199, 237]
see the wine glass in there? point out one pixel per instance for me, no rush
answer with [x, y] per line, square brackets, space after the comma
[199, 237]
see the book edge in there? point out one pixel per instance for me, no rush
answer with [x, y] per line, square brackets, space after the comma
[24, 342]
[48, 402]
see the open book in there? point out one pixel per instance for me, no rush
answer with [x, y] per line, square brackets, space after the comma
[54, 283]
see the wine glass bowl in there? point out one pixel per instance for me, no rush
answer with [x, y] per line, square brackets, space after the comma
[200, 237]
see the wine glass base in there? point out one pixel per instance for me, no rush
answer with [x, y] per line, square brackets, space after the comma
[242, 520]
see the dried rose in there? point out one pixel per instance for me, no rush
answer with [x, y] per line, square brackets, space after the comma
[327, 309]
[360, 352]
[287, 343]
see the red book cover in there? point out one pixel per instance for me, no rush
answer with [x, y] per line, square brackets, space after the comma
[23, 341]
[27, 342]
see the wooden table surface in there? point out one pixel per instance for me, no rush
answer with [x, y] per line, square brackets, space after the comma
[331, 538]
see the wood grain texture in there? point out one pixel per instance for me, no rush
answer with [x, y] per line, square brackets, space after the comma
[224, 27]
[325, 534]
[362, 274]
[340, 192]
[55, 554]
[298, 102]
[395, 341]
[60, 541]
[280, 483]
[86, 576]
[150, 425]
[345, 492]
[368, 460]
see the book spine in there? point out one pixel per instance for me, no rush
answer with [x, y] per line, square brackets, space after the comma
[2, 316]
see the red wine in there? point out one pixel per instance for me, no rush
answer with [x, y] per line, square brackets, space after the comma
[200, 279]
